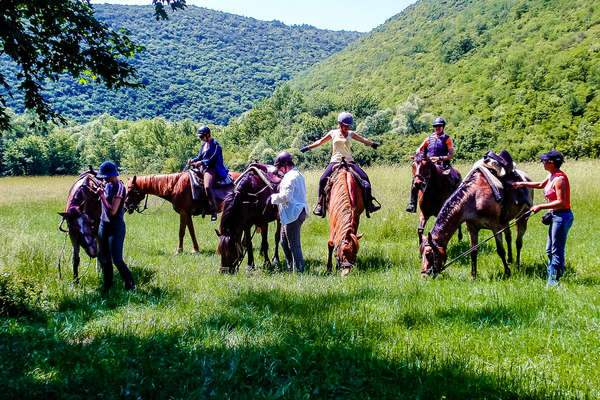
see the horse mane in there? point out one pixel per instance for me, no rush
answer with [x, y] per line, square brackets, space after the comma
[231, 212]
[340, 208]
[453, 205]
[158, 184]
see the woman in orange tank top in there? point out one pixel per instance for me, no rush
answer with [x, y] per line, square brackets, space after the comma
[558, 195]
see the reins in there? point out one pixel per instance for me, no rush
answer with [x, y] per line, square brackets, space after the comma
[473, 248]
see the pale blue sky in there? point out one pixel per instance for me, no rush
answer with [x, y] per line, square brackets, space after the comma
[351, 15]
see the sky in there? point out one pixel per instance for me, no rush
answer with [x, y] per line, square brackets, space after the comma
[350, 15]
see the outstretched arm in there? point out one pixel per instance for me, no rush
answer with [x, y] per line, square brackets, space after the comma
[317, 143]
[365, 141]
[535, 185]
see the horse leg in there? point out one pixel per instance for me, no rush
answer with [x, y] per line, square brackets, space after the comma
[192, 231]
[460, 235]
[182, 225]
[76, 261]
[502, 253]
[264, 244]
[474, 238]
[329, 263]
[248, 240]
[508, 237]
[422, 221]
[521, 228]
[277, 239]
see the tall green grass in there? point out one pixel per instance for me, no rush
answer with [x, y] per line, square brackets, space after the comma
[383, 332]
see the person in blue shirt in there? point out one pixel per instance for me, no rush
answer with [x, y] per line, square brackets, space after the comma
[293, 210]
[210, 162]
[111, 234]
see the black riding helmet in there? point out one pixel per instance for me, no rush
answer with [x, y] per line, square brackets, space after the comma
[203, 131]
[283, 158]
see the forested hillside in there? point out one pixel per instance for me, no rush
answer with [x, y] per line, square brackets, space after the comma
[200, 64]
[517, 74]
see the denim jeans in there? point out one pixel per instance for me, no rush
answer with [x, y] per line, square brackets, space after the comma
[111, 237]
[290, 243]
[557, 239]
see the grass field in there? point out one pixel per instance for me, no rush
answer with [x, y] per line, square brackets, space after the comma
[383, 332]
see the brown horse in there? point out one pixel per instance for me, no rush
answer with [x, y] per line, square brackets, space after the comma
[435, 186]
[246, 206]
[475, 203]
[176, 189]
[82, 214]
[345, 204]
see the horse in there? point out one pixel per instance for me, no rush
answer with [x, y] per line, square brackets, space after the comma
[474, 203]
[344, 205]
[246, 206]
[175, 188]
[435, 187]
[82, 213]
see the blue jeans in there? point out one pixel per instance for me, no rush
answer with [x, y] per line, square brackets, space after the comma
[111, 237]
[557, 239]
[290, 243]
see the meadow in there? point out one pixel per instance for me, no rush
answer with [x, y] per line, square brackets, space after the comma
[383, 332]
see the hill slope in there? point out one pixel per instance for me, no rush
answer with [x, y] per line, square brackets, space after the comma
[516, 74]
[200, 64]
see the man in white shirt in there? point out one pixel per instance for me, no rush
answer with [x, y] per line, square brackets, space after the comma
[293, 210]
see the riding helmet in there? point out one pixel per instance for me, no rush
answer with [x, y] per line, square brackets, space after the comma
[107, 169]
[345, 118]
[203, 131]
[439, 122]
[283, 158]
[552, 155]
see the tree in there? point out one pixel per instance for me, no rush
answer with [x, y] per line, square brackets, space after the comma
[47, 38]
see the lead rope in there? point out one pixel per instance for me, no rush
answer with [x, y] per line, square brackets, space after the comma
[472, 249]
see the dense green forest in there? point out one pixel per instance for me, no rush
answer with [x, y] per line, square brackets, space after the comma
[517, 74]
[200, 64]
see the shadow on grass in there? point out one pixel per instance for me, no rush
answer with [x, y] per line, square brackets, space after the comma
[307, 356]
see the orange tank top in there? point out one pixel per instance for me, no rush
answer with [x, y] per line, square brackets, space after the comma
[550, 192]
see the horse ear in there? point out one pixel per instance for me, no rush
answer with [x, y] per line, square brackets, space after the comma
[218, 232]
[133, 180]
[413, 157]
[73, 212]
[360, 235]
[63, 214]
[429, 238]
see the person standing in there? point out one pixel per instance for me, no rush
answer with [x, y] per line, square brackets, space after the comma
[558, 195]
[210, 161]
[112, 230]
[293, 210]
[439, 148]
[341, 138]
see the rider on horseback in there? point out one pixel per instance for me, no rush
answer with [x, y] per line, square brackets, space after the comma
[439, 147]
[341, 150]
[210, 162]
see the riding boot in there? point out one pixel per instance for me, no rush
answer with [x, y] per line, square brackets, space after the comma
[412, 206]
[370, 206]
[320, 208]
[212, 203]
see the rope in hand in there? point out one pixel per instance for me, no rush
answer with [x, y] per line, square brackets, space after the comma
[473, 248]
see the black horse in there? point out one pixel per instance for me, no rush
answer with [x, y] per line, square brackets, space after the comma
[246, 206]
[434, 184]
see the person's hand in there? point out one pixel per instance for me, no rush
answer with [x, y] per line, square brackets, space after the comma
[304, 149]
[434, 159]
[535, 209]
[516, 185]
[375, 145]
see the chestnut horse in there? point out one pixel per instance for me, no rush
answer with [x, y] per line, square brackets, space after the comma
[82, 214]
[246, 206]
[475, 203]
[175, 188]
[435, 187]
[345, 204]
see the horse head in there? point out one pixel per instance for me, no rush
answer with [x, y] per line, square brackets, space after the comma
[81, 228]
[434, 257]
[134, 196]
[347, 249]
[231, 251]
[423, 169]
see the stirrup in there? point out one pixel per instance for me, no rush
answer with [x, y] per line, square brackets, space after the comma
[411, 208]
[374, 207]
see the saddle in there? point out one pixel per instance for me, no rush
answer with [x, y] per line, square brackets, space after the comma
[196, 182]
[357, 178]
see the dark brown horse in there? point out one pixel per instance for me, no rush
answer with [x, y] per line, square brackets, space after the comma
[475, 203]
[82, 214]
[345, 204]
[434, 186]
[176, 189]
[246, 206]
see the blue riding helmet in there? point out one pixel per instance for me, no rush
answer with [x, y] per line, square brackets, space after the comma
[345, 118]
[107, 169]
[439, 122]
[203, 131]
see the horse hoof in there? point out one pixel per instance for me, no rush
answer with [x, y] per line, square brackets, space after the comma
[195, 251]
[178, 252]
[250, 268]
[346, 271]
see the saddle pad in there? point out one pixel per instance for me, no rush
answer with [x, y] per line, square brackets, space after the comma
[493, 181]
